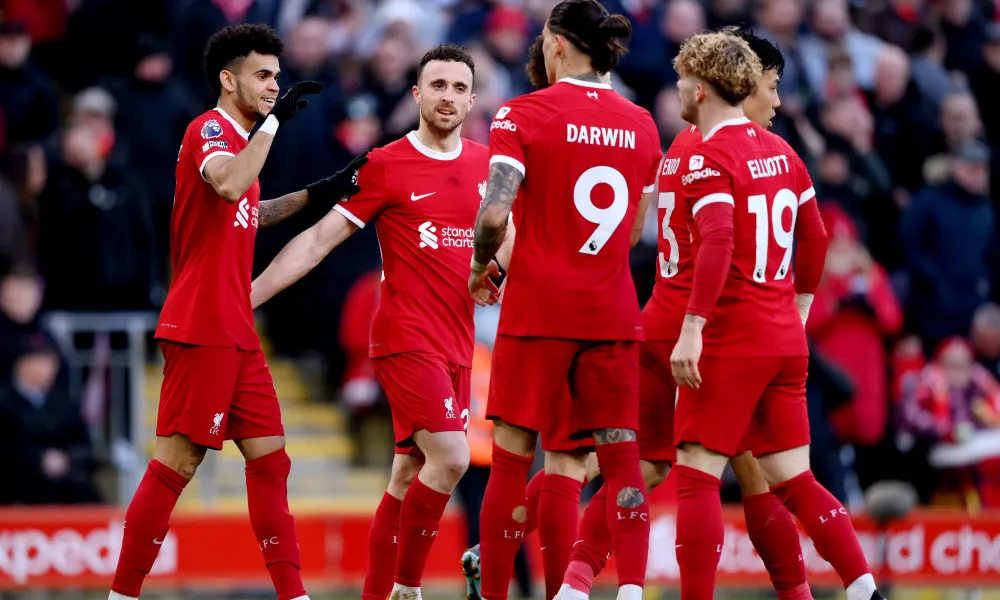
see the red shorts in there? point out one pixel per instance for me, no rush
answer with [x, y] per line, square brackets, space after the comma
[425, 391]
[212, 394]
[657, 396]
[756, 403]
[530, 376]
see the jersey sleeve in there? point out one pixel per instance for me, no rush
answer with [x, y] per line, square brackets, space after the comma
[374, 196]
[708, 190]
[210, 139]
[508, 133]
[810, 258]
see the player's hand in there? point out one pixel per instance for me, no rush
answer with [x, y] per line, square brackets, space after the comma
[288, 105]
[684, 359]
[482, 289]
[342, 184]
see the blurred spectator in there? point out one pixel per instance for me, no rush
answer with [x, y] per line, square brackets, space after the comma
[25, 171]
[985, 337]
[389, 81]
[949, 240]
[43, 439]
[507, 36]
[964, 29]
[960, 124]
[726, 13]
[953, 399]
[28, 97]
[894, 21]
[20, 298]
[154, 107]
[97, 235]
[832, 28]
[827, 389]
[854, 312]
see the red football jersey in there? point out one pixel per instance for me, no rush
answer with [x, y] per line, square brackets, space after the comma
[425, 205]
[211, 244]
[752, 178]
[663, 314]
[587, 155]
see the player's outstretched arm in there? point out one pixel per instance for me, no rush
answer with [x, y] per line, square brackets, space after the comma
[323, 194]
[300, 256]
[491, 225]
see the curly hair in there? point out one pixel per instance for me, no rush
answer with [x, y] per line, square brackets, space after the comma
[723, 61]
[227, 48]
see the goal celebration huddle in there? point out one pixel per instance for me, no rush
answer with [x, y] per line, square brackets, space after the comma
[711, 371]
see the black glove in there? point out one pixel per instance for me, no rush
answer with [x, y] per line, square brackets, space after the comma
[340, 185]
[292, 101]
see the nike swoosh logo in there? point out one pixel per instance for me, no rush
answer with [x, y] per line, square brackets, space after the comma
[157, 542]
[415, 197]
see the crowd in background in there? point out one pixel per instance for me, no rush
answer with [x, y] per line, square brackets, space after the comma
[892, 103]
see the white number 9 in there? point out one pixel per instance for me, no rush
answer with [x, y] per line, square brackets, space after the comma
[607, 219]
[784, 199]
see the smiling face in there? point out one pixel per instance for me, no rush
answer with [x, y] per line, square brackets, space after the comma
[444, 94]
[253, 83]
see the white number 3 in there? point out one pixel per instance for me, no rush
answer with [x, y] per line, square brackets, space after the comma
[607, 219]
[757, 205]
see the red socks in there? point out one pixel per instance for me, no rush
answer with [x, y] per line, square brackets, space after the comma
[628, 509]
[700, 532]
[419, 519]
[776, 538]
[146, 523]
[532, 494]
[502, 521]
[272, 522]
[827, 523]
[592, 549]
[382, 545]
[558, 510]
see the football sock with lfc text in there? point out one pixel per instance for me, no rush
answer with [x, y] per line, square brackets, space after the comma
[628, 509]
[502, 521]
[775, 536]
[700, 532]
[419, 520]
[272, 522]
[382, 546]
[590, 554]
[532, 493]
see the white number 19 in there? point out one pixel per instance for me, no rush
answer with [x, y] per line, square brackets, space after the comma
[607, 219]
[757, 205]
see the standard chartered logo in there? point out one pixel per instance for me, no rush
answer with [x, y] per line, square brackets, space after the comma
[449, 237]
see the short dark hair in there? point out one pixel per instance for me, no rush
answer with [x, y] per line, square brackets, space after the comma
[770, 57]
[227, 48]
[447, 53]
[595, 32]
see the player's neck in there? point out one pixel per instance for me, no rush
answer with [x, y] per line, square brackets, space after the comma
[434, 140]
[226, 103]
[710, 116]
[579, 70]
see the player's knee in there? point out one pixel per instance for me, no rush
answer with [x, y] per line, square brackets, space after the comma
[179, 454]
[567, 464]
[654, 473]
[449, 467]
[514, 439]
[779, 467]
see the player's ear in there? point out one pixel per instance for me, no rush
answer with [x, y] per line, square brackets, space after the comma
[472, 100]
[228, 80]
[416, 94]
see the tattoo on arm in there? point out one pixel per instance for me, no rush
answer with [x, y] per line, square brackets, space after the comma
[275, 211]
[613, 436]
[491, 226]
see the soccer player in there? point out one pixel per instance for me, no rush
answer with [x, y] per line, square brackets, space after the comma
[216, 383]
[582, 157]
[423, 192]
[771, 527]
[747, 197]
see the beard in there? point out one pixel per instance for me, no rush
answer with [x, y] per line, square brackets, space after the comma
[433, 120]
[535, 68]
[248, 104]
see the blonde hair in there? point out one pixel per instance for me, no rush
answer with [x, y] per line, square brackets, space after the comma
[723, 61]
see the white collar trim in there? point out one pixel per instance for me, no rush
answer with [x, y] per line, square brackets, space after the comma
[582, 83]
[431, 153]
[239, 128]
[726, 123]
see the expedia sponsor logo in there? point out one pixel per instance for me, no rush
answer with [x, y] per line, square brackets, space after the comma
[505, 124]
[702, 174]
